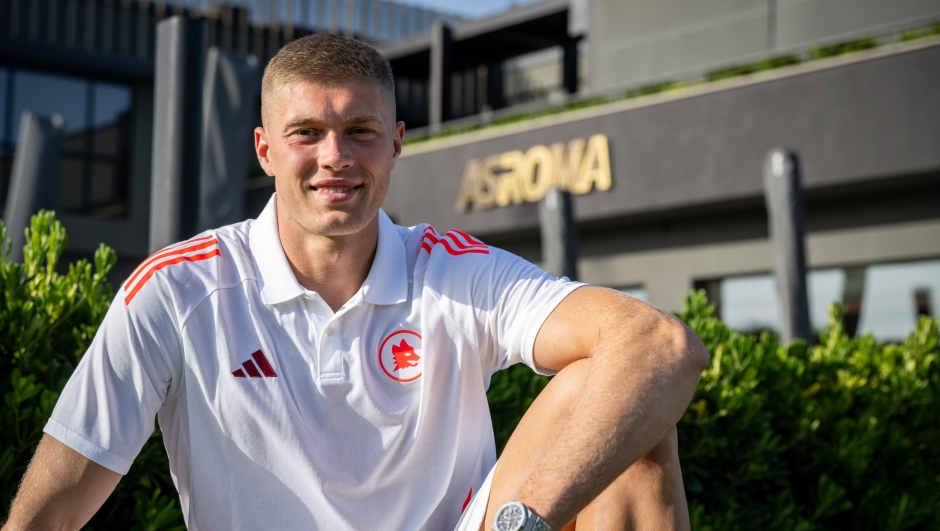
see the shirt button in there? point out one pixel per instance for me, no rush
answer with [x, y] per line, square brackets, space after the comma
[329, 330]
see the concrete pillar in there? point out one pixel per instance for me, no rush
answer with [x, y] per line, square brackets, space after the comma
[559, 234]
[35, 172]
[853, 294]
[177, 120]
[439, 87]
[230, 89]
[784, 198]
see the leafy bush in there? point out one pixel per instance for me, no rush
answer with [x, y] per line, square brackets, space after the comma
[840, 435]
[47, 321]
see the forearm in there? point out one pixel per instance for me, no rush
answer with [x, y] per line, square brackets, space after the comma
[639, 382]
[61, 489]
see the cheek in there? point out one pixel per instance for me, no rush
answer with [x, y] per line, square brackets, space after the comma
[295, 159]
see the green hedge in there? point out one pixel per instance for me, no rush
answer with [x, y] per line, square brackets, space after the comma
[841, 435]
[47, 321]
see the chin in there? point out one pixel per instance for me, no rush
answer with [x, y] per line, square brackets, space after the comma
[341, 223]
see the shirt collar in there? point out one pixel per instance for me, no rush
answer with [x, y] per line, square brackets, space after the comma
[387, 282]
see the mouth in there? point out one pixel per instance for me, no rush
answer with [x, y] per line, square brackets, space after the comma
[336, 192]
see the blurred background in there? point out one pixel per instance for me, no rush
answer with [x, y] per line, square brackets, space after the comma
[689, 97]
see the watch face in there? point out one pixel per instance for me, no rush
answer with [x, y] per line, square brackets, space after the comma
[510, 517]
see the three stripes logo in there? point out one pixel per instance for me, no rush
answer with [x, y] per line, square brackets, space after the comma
[454, 242]
[193, 250]
[250, 370]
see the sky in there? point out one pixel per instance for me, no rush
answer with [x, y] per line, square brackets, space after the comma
[468, 8]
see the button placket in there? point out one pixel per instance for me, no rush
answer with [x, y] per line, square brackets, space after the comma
[312, 347]
[322, 317]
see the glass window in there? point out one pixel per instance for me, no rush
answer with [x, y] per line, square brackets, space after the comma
[111, 103]
[4, 81]
[94, 167]
[49, 94]
[895, 294]
[882, 299]
[749, 303]
[112, 106]
[823, 286]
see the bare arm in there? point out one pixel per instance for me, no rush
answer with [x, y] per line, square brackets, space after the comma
[62, 490]
[644, 366]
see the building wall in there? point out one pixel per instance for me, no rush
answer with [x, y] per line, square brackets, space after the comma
[686, 203]
[635, 42]
[871, 115]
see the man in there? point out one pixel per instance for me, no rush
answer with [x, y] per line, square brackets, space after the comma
[322, 368]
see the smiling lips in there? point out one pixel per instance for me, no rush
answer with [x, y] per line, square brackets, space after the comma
[336, 192]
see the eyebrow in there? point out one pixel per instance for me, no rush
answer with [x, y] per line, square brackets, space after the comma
[352, 120]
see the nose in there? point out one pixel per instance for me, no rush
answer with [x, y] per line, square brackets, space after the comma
[333, 153]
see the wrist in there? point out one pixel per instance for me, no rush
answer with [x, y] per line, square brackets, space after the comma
[516, 516]
[540, 504]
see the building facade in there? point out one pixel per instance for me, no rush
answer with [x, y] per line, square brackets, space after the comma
[670, 196]
[667, 186]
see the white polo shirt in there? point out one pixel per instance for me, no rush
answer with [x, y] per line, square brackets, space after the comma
[279, 414]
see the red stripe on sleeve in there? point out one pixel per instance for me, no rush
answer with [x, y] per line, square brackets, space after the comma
[154, 269]
[456, 252]
[180, 249]
[460, 244]
[470, 239]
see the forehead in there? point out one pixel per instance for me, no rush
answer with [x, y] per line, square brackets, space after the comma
[329, 100]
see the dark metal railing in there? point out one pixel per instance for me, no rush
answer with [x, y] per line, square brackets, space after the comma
[125, 28]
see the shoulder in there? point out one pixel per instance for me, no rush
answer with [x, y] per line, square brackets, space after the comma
[183, 274]
[425, 246]
[457, 264]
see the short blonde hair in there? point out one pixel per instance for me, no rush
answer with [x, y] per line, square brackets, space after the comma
[323, 57]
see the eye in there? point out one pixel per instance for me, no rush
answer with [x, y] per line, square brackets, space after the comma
[306, 132]
[361, 131]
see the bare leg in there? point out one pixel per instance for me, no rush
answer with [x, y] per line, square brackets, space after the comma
[648, 496]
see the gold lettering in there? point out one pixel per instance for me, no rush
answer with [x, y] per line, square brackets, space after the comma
[567, 162]
[595, 167]
[538, 174]
[509, 187]
[486, 185]
[470, 185]
[514, 177]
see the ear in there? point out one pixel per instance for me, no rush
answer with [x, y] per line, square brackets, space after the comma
[397, 138]
[261, 149]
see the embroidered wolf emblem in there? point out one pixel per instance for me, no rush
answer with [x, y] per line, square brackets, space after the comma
[405, 355]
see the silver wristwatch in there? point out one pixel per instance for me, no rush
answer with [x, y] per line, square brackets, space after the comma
[514, 516]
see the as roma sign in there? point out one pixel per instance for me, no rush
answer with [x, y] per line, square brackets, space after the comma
[516, 176]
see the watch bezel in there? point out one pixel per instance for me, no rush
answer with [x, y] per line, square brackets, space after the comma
[530, 520]
[509, 506]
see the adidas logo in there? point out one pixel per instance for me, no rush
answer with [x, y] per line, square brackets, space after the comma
[252, 370]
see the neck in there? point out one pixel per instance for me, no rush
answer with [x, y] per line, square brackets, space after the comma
[333, 266]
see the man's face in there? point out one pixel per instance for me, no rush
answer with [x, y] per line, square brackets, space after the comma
[331, 148]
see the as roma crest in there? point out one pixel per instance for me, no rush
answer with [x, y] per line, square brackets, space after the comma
[401, 356]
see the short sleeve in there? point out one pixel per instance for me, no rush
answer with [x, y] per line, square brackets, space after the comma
[107, 409]
[500, 300]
